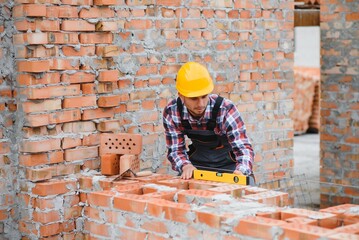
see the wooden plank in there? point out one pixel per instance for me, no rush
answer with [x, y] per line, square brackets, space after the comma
[306, 17]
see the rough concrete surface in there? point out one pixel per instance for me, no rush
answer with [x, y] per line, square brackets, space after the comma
[307, 164]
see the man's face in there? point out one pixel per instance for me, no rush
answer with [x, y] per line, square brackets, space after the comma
[196, 105]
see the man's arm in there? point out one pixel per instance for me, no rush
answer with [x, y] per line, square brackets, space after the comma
[175, 141]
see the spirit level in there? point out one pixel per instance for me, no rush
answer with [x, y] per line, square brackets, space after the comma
[223, 177]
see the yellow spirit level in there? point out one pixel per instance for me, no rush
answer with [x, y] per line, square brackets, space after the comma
[223, 177]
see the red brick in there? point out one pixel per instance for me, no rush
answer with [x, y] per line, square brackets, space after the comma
[28, 228]
[30, 38]
[52, 118]
[92, 38]
[40, 146]
[121, 143]
[71, 142]
[52, 91]
[107, 26]
[36, 51]
[63, 170]
[46, 105]
[35, 175]
[109, 101]
[81, 153]
[131, 188]
[297, 231]
[78, 77]
[29, 10]
[73, 212]
[38, 25]
[46, 217]
[91, 140]
[97, 229]
[107, 87]
[95, 12]
[352, 228]
[108, 76]
[138, 24]
[105, 2]
[77, 2]
[195, 196]
[231, 189]
[131, 162]
[203, 184]
[61, 12]
[131, 203]
[354, 16]
[346, 212]
[46, 78]
[62, 38]
[109, 125]
[110, 164]
[89, 114]
[341, 236]
[37, 159]
[64, 64]
[327, 220]
[178, 212]
[275, 198]
[79, 102]
[259, 227]
[54, 187]
[176, 183]
[108, 51]
[33, 66]
[79, 52]
[101, 199]
[77, 25]
[79, 127]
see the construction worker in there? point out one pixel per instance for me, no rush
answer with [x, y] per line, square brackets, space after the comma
[212, 123]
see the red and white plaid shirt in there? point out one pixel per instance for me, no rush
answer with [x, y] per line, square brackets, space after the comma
[229, 123]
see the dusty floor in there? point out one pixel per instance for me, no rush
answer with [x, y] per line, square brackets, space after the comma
[306, 169]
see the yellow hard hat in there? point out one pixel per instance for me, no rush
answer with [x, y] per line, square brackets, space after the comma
[193, 80]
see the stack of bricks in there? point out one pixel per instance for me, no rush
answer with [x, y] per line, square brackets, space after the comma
[306, 114]
[339, 141]
[165, 207]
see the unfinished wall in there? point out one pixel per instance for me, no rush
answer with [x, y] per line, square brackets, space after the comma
[78, 68]
[339, 140]
[9, 133]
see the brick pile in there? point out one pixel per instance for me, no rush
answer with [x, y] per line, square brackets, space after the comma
[306, 96]
[93, 206]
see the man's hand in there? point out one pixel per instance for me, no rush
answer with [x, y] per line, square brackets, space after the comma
[238, 172]
[187, 171]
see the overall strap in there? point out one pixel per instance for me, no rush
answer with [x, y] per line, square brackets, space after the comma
[213, 121]
[185, 123]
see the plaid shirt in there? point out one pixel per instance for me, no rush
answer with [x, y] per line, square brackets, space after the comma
[229, 123]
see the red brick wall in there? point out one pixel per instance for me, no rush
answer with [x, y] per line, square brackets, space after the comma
[84, 67]
[8, 121]
[339, 140]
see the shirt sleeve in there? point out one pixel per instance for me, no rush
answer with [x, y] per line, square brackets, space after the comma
[237, 137]
[175, 140]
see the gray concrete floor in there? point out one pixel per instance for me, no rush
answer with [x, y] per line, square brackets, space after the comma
[306, 165]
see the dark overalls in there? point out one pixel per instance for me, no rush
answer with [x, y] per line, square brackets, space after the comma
[208, 150]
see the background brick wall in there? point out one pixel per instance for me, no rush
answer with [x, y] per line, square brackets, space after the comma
[339, 140]
[84, 67]
[9, 134]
